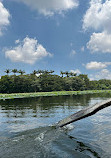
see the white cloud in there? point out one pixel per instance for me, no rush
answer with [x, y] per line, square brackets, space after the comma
[103, 74]
[107, 63]
[17, 41]
[98, 16]
[82, 48]
[73, 52]
[4, 18]
[95, 65]
[77, 71]
[27, 51]
[100, 42]
[49, 7]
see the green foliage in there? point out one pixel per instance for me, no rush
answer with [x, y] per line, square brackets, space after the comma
[7, 71]
[5, 84]
[50, 83]
[54, 93]
[46, 81]
[85, 79]
[74, 84]
[15, 71]
[102, 84]
[21, 72]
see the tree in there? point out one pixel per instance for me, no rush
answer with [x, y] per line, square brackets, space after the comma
[51, 71]
[93, 85]
[40, 72]
[50, 82]
[68, 84]
[7, 71]
[5, 84]
[85, 79]
[46, 72]
[61, 73]
[35, 85]
[67, 73]
[72, 74]
[78, 84]
[15, 71]
[21, 72]
[34, 72]
[74, 84]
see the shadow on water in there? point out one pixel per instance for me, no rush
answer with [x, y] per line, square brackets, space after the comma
[45, 142]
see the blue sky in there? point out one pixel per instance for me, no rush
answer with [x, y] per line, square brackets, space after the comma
[72, 35]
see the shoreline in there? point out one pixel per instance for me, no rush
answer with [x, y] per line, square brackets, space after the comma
[54, 93]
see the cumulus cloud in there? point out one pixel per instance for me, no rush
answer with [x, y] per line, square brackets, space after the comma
[103, 74]
[49, 7]
[100, 42]
[4, 18]
[98, 17]
[27, 51]
[77, 71]
[95, 65]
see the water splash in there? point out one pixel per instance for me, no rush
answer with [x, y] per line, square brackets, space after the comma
[45, 142]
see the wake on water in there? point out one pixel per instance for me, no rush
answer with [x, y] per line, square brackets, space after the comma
[45, 142]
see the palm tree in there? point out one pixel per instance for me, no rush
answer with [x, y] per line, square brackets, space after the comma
[14, 71]
[72, 74]
[67, 73]
[46, 72]
[34, 72]
[40, 72]
[7, 71]
[51, 71]
[61, 73]
[21, 72]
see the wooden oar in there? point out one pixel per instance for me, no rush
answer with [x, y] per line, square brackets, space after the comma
[84, 113]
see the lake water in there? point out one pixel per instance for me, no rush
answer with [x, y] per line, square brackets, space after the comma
[26, 128]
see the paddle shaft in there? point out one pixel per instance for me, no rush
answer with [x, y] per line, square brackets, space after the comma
[91, 110]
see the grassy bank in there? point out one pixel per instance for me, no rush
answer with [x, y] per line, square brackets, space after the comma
[57, 93]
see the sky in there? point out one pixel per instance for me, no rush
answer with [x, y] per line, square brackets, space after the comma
[64, 35]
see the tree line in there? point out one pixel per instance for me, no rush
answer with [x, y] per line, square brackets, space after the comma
[47, 81]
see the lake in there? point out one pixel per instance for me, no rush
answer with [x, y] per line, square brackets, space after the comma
[26, 129]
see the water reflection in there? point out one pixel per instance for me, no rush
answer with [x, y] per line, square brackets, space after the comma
[20, 107]
[28, 120]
